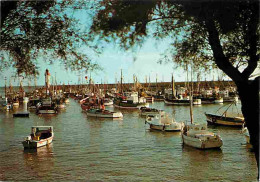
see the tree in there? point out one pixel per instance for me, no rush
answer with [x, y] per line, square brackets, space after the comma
[225, 33]
[30, 29]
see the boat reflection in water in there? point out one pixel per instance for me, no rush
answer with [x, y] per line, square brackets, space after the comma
[38, 163]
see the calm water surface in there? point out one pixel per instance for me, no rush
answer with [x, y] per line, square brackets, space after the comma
[87, 148]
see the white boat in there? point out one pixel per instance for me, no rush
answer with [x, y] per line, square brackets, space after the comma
[40, 136]
[163, 123]
[103, 113]
[145, 111]
[198, 136]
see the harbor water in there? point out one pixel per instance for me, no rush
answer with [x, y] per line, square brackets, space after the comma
[125, 149]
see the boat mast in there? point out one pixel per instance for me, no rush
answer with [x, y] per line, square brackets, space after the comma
[121, 83]
[35, 80]
[191, 99]
[5, 86]
[173, 89]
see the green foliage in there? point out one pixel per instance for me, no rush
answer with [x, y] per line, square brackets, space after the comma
[189, 24]
[33, 29]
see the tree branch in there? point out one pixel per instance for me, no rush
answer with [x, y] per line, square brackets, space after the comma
[220, 59]
[252, 36]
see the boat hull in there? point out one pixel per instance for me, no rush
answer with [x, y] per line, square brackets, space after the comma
[114, 115]
[47, 112]
[224, 121]
[133, 106]
[197, 143]
[182, 102]
[28, 144]
[169, 128]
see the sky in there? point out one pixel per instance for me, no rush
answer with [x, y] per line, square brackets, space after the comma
[112, 60]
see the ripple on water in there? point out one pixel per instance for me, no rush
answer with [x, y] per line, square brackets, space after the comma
[87, 148]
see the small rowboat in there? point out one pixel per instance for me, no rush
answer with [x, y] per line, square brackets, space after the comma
[40, 136]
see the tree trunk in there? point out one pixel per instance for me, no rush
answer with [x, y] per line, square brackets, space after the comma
[249, 95]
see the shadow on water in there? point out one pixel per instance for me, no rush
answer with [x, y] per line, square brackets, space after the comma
[220, 127]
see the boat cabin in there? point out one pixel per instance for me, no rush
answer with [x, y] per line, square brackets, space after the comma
[41, 132]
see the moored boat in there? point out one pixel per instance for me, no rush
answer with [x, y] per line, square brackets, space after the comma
[163, 123]
[40, 136]
[198, 136]
[103, 113]
[144, 111]
[47, 107]
[128, 104]
[224, 120]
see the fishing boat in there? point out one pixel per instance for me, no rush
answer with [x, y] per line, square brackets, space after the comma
[47, 107]
[145, 111]
[100, 113]
[197, 135]
[163, 123]
[40, 136]
[225, 119]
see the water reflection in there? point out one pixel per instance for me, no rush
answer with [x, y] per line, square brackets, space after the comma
[199, 162]
[39, 162]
